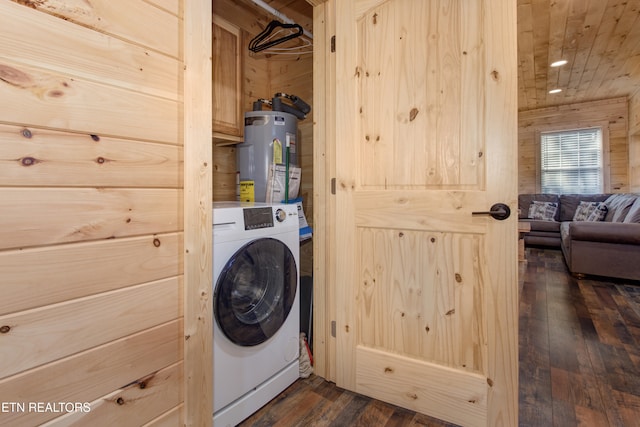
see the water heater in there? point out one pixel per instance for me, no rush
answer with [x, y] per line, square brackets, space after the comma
[266, 136]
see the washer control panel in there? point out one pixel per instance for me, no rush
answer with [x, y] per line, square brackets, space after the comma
[258, 218]
[255, 218]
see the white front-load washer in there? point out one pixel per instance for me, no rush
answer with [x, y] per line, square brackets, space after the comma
[255, 306]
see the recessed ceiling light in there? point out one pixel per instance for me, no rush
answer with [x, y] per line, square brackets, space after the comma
[555, 91]
[559, 63]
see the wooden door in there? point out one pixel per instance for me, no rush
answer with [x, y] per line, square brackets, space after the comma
[426, 112]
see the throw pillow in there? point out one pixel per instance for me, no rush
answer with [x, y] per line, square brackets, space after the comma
[634, 213]
[619, 204]
[545, 211]
[599, 213]
[590, 211]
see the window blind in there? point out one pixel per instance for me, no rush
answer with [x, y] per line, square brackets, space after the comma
[571, 161]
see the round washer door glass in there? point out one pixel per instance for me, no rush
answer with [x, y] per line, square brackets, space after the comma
[255, 291]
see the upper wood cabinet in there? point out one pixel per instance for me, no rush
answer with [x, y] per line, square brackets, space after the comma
[227, 81]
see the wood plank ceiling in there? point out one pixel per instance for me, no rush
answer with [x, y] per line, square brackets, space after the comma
[600, 39]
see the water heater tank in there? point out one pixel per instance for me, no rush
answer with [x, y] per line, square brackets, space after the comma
[265, 137]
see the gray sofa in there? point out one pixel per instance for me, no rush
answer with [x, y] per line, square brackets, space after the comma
[608, 247]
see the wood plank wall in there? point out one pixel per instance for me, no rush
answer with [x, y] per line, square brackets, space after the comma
[634, 113]
[611, 113]
[262, 78]
[91, 189]
[634, 143]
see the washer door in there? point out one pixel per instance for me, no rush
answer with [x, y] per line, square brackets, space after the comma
[255, 291]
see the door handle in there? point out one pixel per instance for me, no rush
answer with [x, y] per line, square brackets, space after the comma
[498, 211]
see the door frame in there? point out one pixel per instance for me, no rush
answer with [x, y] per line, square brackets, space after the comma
[197, 248]
[324, 145]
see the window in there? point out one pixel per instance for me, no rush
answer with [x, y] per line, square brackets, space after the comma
[571, 161]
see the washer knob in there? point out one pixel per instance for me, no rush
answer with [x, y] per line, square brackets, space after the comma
[281, 215]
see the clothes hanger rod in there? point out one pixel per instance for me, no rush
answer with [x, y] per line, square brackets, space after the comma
[279, 15]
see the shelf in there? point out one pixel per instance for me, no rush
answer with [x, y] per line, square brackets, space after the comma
[221, 139]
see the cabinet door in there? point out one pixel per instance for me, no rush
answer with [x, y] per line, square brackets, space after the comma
[227, 78]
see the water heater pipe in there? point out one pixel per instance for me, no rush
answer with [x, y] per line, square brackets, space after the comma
[279, 15]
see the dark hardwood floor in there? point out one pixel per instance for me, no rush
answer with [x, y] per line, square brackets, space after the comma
[579, 361]
[579, 347]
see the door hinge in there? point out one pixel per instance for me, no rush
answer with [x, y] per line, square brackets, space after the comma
[333, 328]
[333, 43]
[333, 186]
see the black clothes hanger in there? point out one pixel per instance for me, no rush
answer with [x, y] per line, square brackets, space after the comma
[262, 42]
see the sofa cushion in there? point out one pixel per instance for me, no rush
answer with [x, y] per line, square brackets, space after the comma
[553, 242]
[569, 203]
[544, 233]
[524, 202]
[545, 211]
[626, 234]
[619, 205]
[590, 211]
[634, 213]
[546, 226]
